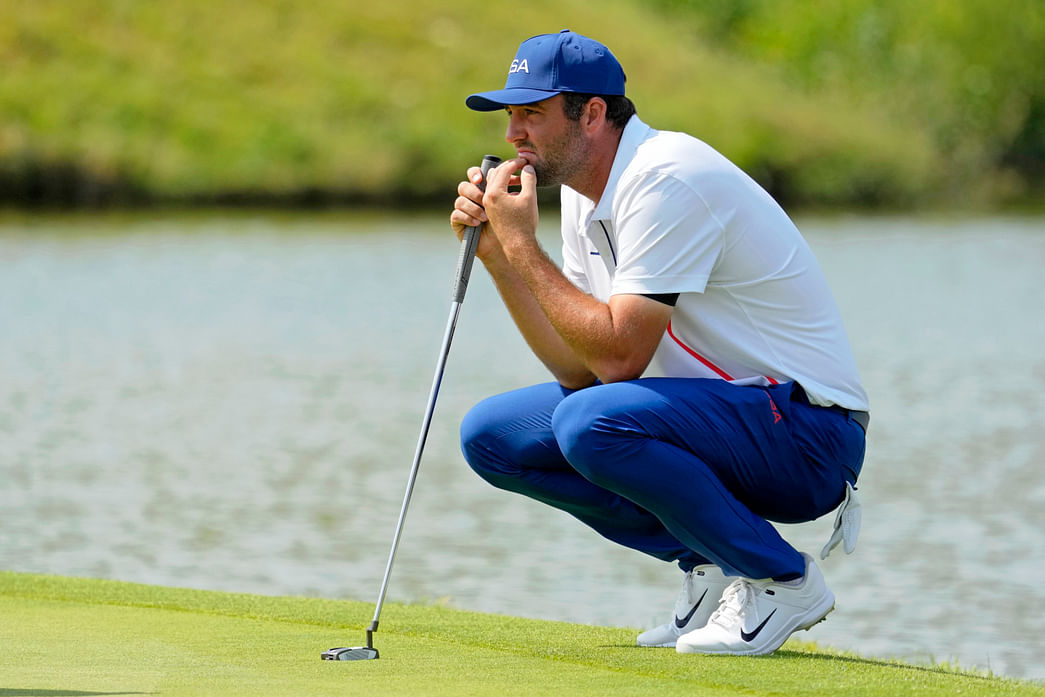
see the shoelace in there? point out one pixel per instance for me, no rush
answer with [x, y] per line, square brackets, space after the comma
[685, 600]
[738, 598]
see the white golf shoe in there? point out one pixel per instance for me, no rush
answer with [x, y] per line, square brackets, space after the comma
[701, 589]
[756, 617]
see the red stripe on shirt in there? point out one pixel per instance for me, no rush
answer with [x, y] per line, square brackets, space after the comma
[718, 371]
[711, 366]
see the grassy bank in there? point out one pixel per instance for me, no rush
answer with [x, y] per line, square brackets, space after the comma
[64, 636]
[216, 101]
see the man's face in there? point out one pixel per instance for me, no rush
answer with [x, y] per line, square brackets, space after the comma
[546, 139]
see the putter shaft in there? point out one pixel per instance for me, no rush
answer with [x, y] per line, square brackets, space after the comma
[469, 243]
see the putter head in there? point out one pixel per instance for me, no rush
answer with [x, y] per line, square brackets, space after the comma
[355, 653]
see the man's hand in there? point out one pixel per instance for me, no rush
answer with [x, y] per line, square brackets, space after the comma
[468, 207]
[468, 212]
[512, 213]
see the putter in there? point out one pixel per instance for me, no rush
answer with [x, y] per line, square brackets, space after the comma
[469, 242]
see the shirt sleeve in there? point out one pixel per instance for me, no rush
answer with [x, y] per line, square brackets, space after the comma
[667, 237]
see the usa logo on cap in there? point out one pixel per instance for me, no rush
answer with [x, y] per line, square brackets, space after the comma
[548, 64]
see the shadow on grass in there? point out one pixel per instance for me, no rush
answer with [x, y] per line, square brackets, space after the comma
[822, 657]
[18, 692]
[882, 663]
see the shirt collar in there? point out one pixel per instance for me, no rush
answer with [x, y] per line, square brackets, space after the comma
[635, 132]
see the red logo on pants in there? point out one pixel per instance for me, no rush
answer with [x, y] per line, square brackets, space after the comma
[776, 412]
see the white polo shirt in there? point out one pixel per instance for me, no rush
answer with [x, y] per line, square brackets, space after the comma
[754, 306]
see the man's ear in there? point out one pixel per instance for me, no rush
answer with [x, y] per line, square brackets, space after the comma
[594, 113]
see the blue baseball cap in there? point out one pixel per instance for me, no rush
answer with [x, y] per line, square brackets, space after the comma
[548, 64]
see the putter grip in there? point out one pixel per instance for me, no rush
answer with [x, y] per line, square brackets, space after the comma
[470, 241]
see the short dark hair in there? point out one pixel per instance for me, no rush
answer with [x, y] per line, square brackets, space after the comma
[619, 109]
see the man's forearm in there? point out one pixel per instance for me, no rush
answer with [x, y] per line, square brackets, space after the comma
[579, 337]
[544, 340]
[613, 341]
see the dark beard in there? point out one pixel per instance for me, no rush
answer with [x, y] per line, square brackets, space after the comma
[571, 154]
[550, 174]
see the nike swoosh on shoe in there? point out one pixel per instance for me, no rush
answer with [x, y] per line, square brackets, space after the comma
[681, 622]
[750, 636]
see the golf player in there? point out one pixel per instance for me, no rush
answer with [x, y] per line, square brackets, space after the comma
[703, 381]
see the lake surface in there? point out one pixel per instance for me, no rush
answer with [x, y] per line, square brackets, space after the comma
[231, 401]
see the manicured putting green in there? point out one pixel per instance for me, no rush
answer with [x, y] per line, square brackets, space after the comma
[65, 636]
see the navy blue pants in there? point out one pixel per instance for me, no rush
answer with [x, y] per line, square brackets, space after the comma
[683, 469]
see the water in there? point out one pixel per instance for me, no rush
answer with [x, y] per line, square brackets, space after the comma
[232, 402]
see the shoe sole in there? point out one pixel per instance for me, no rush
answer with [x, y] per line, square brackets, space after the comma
[774, 644]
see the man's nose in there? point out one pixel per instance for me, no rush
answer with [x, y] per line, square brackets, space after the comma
[514, 131]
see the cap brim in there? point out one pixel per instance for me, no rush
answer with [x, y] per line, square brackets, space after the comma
[499, 99]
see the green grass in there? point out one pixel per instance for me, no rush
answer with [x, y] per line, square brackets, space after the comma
[65, 636]
[202, 100]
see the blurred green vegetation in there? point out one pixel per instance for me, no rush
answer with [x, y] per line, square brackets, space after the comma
[968, 75]
[854, 102]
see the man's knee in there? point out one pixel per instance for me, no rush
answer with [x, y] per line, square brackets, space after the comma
[585, 432]
[477, 442]
[502, 437]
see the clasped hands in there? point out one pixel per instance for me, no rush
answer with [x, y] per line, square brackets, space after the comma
[508, 206]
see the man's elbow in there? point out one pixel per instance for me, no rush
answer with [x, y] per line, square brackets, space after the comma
[575, 383]
[630, 368]
[573, 379]
[605, 370]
